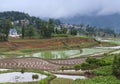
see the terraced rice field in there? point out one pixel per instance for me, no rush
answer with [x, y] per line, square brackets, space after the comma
[63, 54]
[116, 52]
[37, 63]
[26, 63]
[59, 54]
[68, 61]
[92, 52]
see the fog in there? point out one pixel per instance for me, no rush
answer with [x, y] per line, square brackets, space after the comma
[61, 8]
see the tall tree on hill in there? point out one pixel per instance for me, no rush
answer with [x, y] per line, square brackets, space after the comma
[5, 26]
[31, 31]
[73, 31]
[23, 29]
[51, 25]
[43, 29]
[57, 22]
[47, 28]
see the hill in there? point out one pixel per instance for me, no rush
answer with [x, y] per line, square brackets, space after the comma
[104, 21]
[17, 18]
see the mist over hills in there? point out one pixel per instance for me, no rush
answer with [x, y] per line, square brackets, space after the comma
[100, 21]
[103, 21]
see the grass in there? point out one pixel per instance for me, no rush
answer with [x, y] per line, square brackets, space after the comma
[104, 71]
[109, 58]
[99, 80]
[62, 81]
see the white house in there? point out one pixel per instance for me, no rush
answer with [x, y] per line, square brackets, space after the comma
[13, 33]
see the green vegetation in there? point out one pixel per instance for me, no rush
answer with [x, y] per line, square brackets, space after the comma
[62, 81]
[77, 67]
[106, 67]
[116, 66]
[35, 76]
[47, 80]
[104, 71]
[99, 80]
[47, 28]
[92, 63]
[65, 40]
[30, 26]
[5, 26]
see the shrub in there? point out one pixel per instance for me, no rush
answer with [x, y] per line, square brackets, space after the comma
[77, 67]
[22, 71]
[60, 35]
[91, 60]
[35, 76]
[104, 71]
[62, 68]
[116, 66]
[101, 63]
[85, 66]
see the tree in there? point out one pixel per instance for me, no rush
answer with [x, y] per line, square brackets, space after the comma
[5, 25]
[51, 25]
[23, 29]
[73, 31]
[64, 30]
[43, 29]
[30, 31]
[81, 26]
[47, 28]
[57, 22]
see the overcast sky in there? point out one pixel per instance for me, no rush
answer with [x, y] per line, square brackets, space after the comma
[61, 8]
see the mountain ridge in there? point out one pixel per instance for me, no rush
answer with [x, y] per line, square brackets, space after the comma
[103, 21]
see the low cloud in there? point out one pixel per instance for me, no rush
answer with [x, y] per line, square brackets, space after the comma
[61, 8]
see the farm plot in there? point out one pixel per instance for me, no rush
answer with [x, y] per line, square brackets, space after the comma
[61, 54]
[68, 61]
[92, 52]
[115, 52]
[89, 51]
[27, 63]
[112, 40]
